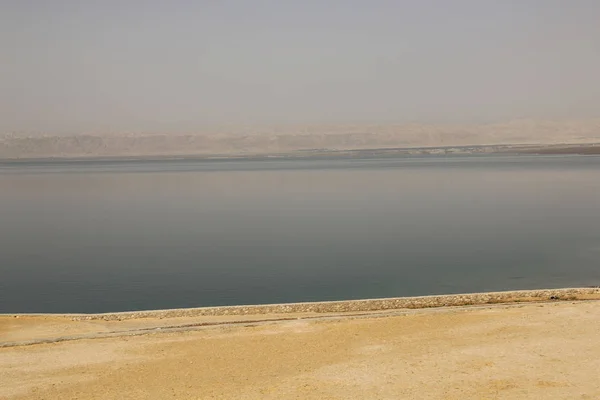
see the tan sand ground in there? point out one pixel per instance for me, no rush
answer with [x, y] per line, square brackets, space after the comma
[523, 351]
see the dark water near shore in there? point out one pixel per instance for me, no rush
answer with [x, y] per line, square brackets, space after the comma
[112, 236]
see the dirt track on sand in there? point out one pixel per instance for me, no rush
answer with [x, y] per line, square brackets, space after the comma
[527, 351]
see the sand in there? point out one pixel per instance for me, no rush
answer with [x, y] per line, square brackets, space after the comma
[541, 350]
[288, 139]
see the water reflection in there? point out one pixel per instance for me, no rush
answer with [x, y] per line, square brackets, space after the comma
[104, 237]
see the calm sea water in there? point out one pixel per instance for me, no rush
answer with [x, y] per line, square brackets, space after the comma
[111, 236]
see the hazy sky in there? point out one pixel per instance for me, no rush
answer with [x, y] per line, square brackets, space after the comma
[86, 65]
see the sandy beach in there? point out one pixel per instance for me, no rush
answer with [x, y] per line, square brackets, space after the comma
[542, 349]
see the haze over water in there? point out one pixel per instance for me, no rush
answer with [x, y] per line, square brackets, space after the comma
[118, 67]
[113, 236]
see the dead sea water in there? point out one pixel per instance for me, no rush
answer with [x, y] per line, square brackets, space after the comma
[95, 236]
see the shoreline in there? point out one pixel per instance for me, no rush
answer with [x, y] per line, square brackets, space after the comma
[566, 148]
[340, 306]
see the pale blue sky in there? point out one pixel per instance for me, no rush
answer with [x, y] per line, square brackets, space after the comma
[174, 66]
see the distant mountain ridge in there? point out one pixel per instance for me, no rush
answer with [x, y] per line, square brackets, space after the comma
[290, 139]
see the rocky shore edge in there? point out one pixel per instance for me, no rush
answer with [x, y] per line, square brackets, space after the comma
[350, 306]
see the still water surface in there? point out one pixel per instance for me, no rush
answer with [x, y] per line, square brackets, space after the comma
[112, 236]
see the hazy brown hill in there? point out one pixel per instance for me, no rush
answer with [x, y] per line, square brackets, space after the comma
[285, 139]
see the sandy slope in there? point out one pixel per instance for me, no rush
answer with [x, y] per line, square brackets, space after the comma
[290, 139]
[528, 351]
